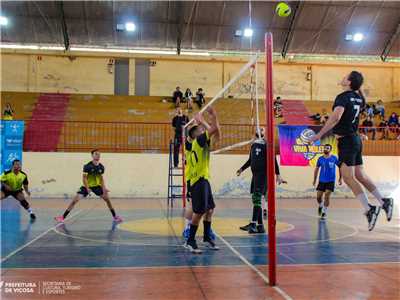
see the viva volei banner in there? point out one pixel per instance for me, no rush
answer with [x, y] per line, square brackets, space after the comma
[12, 140]
[294, 149]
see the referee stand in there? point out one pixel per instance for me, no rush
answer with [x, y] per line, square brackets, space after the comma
[175, 177]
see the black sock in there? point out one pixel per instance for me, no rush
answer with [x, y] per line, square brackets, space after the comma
[256, 212]
[260, 217]
[193, 230]
[24, 204]
[66, 213]
[207, 229]
[112, 212]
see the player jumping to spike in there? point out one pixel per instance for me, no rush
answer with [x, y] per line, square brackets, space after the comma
[93, 181]
[344, 121]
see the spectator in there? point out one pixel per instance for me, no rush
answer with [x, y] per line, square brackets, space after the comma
[177, 96]
[178, 122]
[393, 120]
[189, 98]
[278, 107]
[324, 116]
[200, 99]
[383, 128]
[368, 122]
[380, 108]
[8, 113]
[370, 111]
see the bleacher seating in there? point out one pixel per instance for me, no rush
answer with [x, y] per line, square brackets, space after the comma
[129, 109]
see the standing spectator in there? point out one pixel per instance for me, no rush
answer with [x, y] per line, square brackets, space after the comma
[278, 107]
[200, 100]
[177, 96]
[370, 110]
[189, 98]
[384, 128]
[8, 113]
[368, 122]
[178, 122]
[380, 108]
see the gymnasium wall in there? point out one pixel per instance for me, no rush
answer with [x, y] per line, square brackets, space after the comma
[292, 80]
[145, 175]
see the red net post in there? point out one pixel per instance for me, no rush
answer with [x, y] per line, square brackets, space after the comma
[269, 118]
[183, 168]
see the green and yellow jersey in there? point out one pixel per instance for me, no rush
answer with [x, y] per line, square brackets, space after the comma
[199, 158]
[94, 173]
[188, 149]
[14, 181]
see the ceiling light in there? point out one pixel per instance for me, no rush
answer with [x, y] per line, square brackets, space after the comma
[130, 26]
[358, 37]
[3, 21]
[248, 32]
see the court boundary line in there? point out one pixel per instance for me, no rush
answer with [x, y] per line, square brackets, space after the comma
[183, 267]
[3, 259]
[254, 268]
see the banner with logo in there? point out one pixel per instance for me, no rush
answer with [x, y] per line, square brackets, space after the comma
[294, 149]
[12, 140]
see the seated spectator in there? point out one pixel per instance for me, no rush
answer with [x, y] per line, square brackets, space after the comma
[189, 98]
[393, 120]
[278, 107]
[8, 113]
[368, 122]
[380, 108]
[200, 99]
[177, 96]
[383, 128]
[370, 111]
[316, 117]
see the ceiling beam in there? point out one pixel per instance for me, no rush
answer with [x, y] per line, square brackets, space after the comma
[292, 25]
[320, 28]
[221, 22]
[63, 25]
[390, 42]
[180, 17]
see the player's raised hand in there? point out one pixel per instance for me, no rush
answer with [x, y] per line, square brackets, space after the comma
[211, 111]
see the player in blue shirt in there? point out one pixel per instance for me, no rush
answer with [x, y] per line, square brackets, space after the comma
[326, 164]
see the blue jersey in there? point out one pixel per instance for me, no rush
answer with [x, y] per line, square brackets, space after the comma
[328, 168]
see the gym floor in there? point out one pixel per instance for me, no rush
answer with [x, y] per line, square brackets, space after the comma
[90, 257]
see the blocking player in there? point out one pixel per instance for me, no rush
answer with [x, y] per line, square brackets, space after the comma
[344, 121]
[199, 159]
[257, 162]
[326, 167]
[93, 181]
[13, 183]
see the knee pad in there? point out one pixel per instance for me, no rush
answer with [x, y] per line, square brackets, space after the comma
[256, 198]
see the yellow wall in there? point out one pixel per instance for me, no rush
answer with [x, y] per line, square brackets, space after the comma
[90, 75]
[167, 74]
[145, 175]
[87, 75]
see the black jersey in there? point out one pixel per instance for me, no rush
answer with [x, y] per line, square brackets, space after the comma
[258, 154]
[353, 103]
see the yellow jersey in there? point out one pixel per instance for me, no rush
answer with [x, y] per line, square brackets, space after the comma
[199, 158]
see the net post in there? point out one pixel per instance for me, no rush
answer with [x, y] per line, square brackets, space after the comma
[183, 168]
[270, 165]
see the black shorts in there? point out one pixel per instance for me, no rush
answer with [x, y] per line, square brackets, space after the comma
[350, 150]
[10, 193]
[202, 198]
[323, 186]
[258, 183]
[97, 190]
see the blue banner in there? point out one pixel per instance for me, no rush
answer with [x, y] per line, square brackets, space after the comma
[12, 140]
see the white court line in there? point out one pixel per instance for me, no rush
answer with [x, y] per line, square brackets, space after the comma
[251, 266]
[186, 267]
[37, 238]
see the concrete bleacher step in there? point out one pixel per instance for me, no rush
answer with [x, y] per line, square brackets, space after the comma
[44, 129]
[295, 112]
